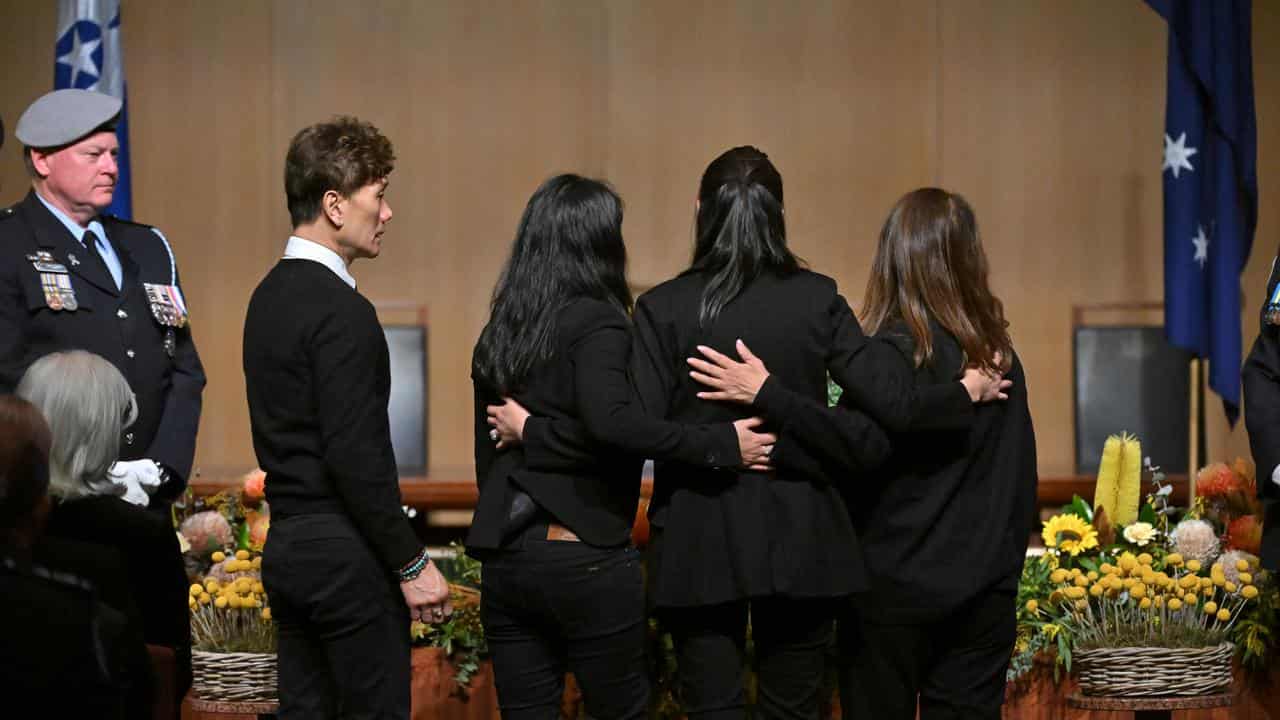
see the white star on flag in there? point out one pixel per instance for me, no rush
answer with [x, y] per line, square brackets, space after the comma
[80, 57]
[1177, 155]
[1202, 247]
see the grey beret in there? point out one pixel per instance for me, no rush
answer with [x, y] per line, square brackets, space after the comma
[64, 116]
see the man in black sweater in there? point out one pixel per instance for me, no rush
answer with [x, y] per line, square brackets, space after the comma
[318, 379]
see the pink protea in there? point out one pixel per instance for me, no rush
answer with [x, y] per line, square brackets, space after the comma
[1245, 533]
[207, 531]
[1195, 539]
[255, 484]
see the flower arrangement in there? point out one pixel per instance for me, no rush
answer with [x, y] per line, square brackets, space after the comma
[238, 518]
[1157, 577]
[230, 612]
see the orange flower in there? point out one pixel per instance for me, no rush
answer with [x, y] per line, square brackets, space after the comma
[1245, 533]
[1216, 480]
[254, 484]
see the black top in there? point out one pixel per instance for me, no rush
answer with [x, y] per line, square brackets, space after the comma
[1261, 379]
[65, 653]
[731, 534]
[585, 382]
[949, 515]
[318, 377]
[117, 324]
[153, 565]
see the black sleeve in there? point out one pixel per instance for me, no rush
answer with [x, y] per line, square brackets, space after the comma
[484, 448]
[350, 363]
[13, 314]
[559, 444]
[1261, 380]
[608, 408]
[812, 436]
[877, 381]
[174, 445]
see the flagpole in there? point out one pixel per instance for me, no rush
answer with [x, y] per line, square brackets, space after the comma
[1194, 423]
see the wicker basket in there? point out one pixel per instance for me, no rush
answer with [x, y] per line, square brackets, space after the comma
[234, 676]
[1153, 671]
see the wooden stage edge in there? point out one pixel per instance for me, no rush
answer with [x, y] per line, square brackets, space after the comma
[455, 488]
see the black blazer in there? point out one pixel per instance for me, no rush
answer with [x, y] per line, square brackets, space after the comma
[153, 565]
[949, 515]
[115, 323]
[1261, 378]
[585, 383]
[728, 534]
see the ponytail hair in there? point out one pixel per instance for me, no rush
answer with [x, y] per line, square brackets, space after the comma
[740, 227]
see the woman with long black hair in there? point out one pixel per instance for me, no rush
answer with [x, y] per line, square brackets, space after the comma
[945, 525]
[562, 587]
[777, 547]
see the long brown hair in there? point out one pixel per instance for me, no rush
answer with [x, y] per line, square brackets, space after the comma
[930, 263]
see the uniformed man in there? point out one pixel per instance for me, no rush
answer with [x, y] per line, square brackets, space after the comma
[73, 278]
[1261, 379]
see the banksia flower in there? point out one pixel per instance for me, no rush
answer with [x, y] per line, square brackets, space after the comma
[1119, 479]
[1195, 539]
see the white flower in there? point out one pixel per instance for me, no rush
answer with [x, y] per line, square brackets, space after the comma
[183, 544]
[1140, 533]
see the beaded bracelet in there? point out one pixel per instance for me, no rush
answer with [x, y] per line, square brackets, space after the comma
[415, 567]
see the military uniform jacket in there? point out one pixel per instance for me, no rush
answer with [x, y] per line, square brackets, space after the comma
[158, 360]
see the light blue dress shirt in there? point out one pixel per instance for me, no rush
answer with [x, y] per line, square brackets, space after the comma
[103, 248]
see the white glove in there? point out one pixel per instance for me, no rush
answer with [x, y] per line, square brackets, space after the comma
[137, 477]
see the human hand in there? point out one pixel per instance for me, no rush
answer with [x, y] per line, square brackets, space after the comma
[427, 596]
[755, 447]
[733, 381]
[507, 422]
[984, 385]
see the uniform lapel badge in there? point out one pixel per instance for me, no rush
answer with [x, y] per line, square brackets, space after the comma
[45, 262]
[75, 262]
[167, 305]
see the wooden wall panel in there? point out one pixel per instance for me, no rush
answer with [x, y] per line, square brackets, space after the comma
[1046, 114]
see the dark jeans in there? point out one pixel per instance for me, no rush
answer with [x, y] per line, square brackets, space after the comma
[790, 639]
[954, 665]
[342, 623]
[553, 606]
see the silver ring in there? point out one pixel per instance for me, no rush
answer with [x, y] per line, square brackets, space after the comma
[493, 434]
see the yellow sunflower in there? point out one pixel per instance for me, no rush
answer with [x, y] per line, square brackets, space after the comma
[1069, 534]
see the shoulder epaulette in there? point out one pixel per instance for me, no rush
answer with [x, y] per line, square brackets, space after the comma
[116, 218]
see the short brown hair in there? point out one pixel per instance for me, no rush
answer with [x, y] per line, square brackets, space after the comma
[24, 460]
[342, 155]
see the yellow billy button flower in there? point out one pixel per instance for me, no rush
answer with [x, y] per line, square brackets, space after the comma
[1081, 581]
[1242, 565]
[196, 589]
[1145, 603]
[1145, 559]
[1032, 605]
[1059, 575]
[1107, 568]
[205, 598]
[1229, 587]
[256, 562]
[242, 554]
[1249, 592]
[1193, 565]
[1224, 615]
[1188, 582]
[1191, 599]
[266, 613]
[1074, 592]
[1093, 575]
[220, 602]
[257, 587]
[218, 556]
[1096, 590]
[1245, 577]
[191, 601]
[1175, 604]
[1210, 607]
[1173, 559]
[211, 585]
[1138, 590]
[1082, 604]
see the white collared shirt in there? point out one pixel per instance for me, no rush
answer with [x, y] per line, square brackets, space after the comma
[304, 249]
[104, 247]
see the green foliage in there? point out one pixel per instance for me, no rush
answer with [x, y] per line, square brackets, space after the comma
[462, 635]
[834, 392]
[1079, 508]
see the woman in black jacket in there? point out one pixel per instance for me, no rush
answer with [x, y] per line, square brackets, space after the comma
[729, 542]
[944, 528]
[562, 586]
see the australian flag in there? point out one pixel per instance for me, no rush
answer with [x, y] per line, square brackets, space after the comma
[88, 56]
[1210, 182]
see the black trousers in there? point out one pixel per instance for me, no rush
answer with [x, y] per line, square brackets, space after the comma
[790, 638]
[551, 606]
[954, 666]
[342, 623]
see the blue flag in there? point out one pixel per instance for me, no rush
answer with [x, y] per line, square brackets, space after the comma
[1210, 182]
[88, 56]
